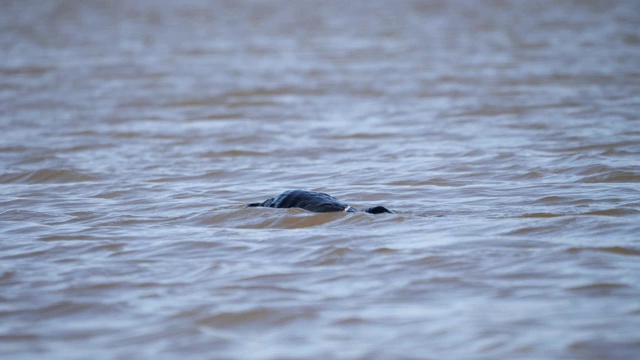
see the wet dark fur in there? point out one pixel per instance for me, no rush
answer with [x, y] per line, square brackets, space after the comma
[313, 201]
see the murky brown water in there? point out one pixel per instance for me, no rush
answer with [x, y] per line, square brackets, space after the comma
[504, 134]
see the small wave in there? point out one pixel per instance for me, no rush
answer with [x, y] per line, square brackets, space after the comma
[232, 153]
[25, 70]
[433, 181]
[598, 289]
[46, 176]
[616, 176]
[618, 153]
[598, 147]
[24, 215]
[13, 149]
[111, 194]
[267, 92]
[605, 212]
[350, 320]
[267, 218]
[595, 169]
[529, 175]
[540, 215]
[613, 212]
[251, 317]
[551, 200]
[599, 348]
[192, 102]
[214, 174]
[219, 116]
[617, 250]
[552, 224]
[296, 219]
[68, 308]
[364, 136]
[5, 276]
[17, 337]
[71, 237]
[329, 255]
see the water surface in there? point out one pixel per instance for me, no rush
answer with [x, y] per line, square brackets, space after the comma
[505, 136]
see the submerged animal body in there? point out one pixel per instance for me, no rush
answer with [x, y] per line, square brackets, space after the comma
[313, 201]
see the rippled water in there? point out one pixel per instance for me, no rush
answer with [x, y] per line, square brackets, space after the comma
[503, 134]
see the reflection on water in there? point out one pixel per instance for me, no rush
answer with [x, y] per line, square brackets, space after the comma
[503, 135]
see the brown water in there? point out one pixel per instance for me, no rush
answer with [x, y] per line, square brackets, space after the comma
[504, 134]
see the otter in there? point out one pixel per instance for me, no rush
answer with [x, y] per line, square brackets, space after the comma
[315, 202]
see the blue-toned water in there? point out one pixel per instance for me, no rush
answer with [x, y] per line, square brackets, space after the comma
[505, 136]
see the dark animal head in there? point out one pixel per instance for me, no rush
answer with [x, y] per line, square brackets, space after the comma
[378, 210]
